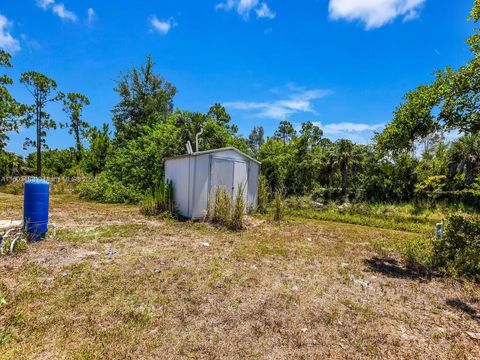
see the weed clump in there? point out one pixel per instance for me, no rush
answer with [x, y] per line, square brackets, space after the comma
[279, 207]
[158, 201]
[236, 221]
[262, 195]
[225, 211]
[222, 207]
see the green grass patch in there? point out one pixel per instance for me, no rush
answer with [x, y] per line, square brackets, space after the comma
[102, 234]
[384, 216]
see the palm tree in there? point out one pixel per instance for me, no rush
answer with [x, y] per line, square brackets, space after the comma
[343, 157]
[465, 157]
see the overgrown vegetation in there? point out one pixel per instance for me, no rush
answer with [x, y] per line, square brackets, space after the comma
[160, 200]
[458, 252]
[227, 210]
[279, 207]
[262, 202]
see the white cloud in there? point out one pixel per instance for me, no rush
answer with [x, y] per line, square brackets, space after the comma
[58, 9]
[7, 41]
[350, 127]
[245, 7]
[374, 13]
[44, 4]
[162, 26]
[300, 101]
[91, 16]
[360, 133]
[265, 12]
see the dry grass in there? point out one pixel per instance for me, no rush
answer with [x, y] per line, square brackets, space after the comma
[116, 285]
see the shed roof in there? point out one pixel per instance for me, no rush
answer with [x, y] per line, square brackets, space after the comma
[213, 151]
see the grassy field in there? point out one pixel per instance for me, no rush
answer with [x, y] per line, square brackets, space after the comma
[114, 284]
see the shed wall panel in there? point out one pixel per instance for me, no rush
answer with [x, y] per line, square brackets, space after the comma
[241, 178]
[253, 184]
[177, 171]
[200, 182]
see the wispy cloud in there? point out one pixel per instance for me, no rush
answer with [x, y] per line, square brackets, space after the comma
[44, 4]
[297, 102]
[350, 127]
[7, 41]
[360, 133]
[91, 16]
[245, 7]
[31, 44]
[375, 13]
[58, 9]
[162, 26]
[263, 11]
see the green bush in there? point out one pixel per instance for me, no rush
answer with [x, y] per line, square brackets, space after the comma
[238, 211]
[107, 190]
[221, 208]
[262, 195]
[279, 206]
[458, 252]
[158, 201]
[225, 211]
[13, 188]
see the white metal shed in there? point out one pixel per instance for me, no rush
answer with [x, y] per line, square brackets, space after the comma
[196, 177]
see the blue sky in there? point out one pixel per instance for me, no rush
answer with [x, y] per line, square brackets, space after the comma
[344, 64]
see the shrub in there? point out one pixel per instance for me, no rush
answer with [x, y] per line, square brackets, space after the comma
[279, 206]
[458, 252]
[262, 195]
[13, 188]
[298, 203]
[226, 212]
[221, 208]
[108, 190]
[238, 211]
[158, 201]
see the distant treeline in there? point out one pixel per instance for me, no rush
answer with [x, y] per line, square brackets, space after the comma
[410, 159]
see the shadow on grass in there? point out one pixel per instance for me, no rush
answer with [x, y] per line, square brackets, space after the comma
[392, 268]
[463, 306]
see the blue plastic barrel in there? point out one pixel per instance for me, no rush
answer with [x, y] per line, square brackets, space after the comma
[35, 208]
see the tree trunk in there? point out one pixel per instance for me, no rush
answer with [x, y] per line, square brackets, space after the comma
[39, 142]
[78, 143]
[469, 173]
[344, 180]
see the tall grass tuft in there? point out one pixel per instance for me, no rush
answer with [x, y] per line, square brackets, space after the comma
[279, 206]
[158, 201]
[222, 207]
[238, 211]
[262, 195]
[225, 211]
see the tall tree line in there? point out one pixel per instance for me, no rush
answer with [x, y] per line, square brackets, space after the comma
[13, 114]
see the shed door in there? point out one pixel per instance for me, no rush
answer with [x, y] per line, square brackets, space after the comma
[240, 177]
[222, 175]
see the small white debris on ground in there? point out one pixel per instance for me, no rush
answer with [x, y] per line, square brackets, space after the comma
[364, 283]
[473, 335]
[7, 224]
